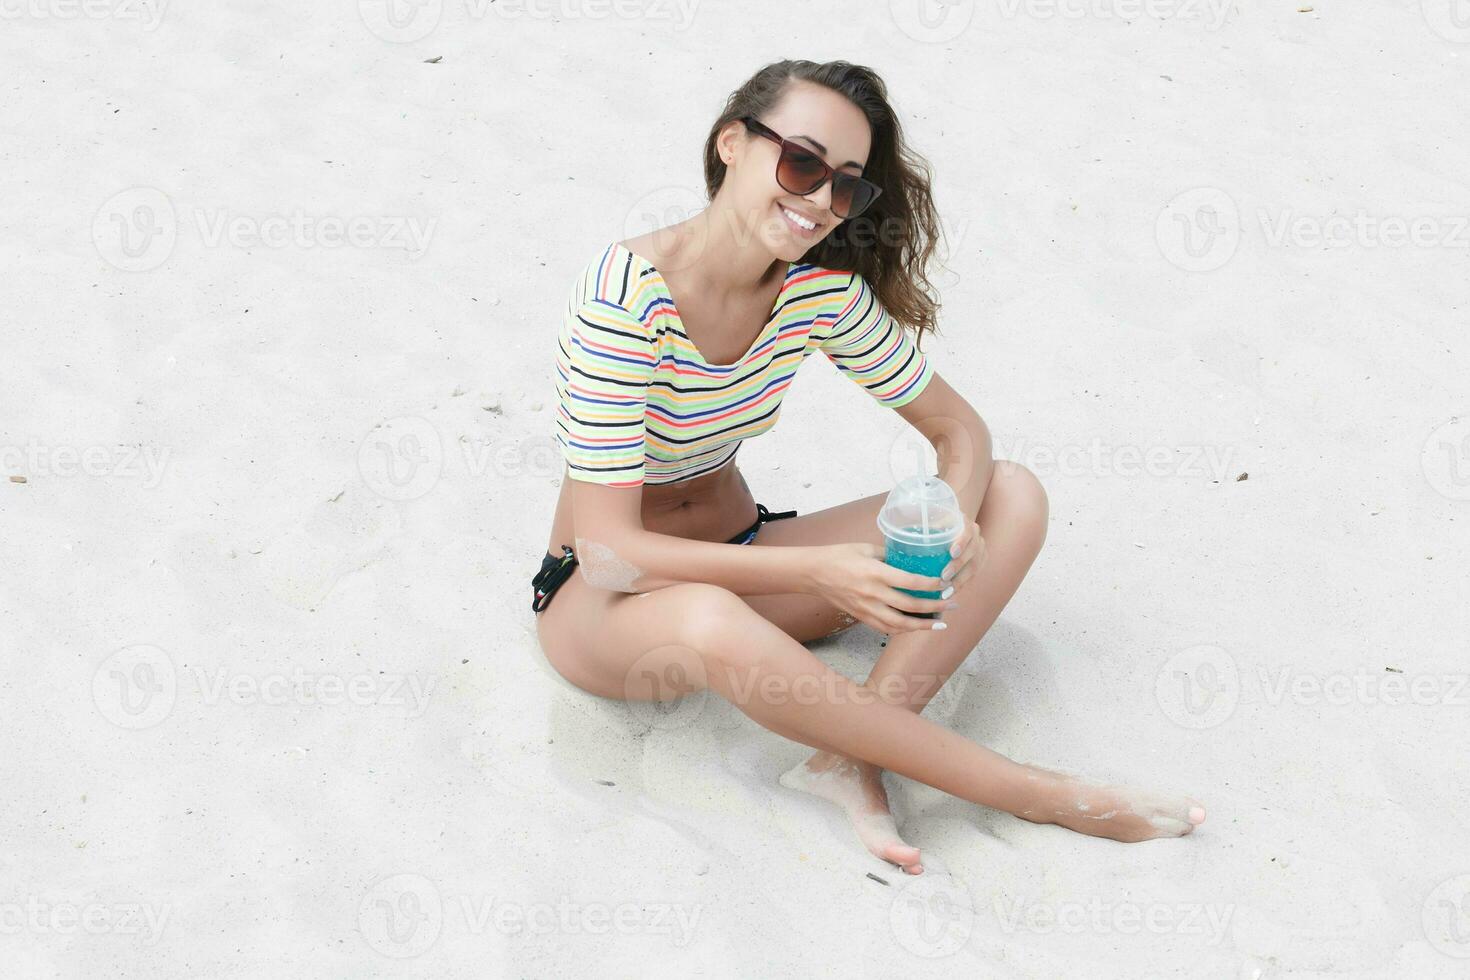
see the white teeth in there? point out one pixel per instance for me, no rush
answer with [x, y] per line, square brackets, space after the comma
[808, 225]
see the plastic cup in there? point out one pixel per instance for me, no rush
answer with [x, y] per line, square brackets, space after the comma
[920, 521]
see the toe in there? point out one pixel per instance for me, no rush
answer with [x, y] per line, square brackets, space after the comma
[900, 854]
[1196, 815]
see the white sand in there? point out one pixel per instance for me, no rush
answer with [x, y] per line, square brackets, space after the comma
[236, 550]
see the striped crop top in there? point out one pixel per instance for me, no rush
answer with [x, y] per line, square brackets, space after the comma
[637, 402]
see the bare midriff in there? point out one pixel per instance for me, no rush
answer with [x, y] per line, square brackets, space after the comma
[714, 506]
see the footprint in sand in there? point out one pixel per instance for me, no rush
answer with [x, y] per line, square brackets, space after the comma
[304, 563]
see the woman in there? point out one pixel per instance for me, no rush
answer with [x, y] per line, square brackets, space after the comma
[679, 344]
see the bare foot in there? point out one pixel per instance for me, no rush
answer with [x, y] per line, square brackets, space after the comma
[1116, 812]
[856, 787]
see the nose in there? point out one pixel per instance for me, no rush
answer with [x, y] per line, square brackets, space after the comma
[821, 198]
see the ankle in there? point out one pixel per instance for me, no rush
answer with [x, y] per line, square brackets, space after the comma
[823, 761]
[1048, 791]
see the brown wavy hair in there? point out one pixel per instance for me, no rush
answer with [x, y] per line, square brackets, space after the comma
[891, 243]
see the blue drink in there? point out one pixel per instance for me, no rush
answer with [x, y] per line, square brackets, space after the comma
[920, 521]
[921, 559]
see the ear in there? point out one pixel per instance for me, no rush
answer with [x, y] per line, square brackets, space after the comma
[728, 143]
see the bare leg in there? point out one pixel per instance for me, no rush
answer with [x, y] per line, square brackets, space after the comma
[781, 685]
[1013, 520]
[696, 635]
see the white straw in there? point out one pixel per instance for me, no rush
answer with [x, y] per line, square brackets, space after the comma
[924, 503]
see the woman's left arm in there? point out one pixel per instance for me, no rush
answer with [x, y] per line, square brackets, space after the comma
[960, 439]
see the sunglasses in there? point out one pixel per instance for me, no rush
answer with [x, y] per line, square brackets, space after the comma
[800, 171]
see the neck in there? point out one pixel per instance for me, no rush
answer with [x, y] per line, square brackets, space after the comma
[729, 258]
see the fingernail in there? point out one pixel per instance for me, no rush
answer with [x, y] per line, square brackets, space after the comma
[940, 625]
[947, 593]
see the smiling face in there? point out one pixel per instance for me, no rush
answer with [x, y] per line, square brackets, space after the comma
[817, 118]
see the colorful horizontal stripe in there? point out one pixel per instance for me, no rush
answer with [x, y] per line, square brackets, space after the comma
[638, 403]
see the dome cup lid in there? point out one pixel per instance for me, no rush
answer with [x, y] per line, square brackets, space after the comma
[914, 499]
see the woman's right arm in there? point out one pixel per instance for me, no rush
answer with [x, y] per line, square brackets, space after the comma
[615, 552]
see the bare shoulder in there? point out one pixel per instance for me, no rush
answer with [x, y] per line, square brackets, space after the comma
[673, 247]
[646, 247]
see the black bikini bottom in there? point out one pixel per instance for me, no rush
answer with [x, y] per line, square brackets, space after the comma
[556, 569]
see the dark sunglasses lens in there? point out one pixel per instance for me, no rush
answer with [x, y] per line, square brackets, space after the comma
[802, 172]
[850, 195]
[799, 171]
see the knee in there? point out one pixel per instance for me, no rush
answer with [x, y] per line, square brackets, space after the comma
[1019, 493]
[712, 618]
